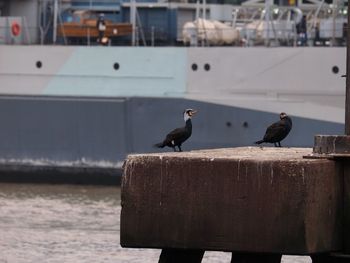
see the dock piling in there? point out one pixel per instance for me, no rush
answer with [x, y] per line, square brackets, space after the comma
[254, 202]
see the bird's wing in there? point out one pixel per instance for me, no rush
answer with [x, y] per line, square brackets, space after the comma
[274, 130]
[175, 134]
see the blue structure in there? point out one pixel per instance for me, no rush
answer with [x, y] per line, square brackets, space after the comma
[158, 22]
[103, 4]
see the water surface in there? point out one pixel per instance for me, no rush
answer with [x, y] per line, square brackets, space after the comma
[71, 224]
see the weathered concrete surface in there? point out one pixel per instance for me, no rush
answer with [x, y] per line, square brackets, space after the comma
[346, 249]
[245, 199]
[338, 147]
[332, 144]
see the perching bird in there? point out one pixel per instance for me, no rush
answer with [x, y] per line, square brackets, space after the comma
[179, 135]
[276, 132]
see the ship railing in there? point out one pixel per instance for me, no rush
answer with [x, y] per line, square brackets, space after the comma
[242, 35]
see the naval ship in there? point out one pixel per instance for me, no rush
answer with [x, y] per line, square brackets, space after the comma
[76, 103]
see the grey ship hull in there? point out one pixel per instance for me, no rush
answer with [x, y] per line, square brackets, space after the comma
[65, 115]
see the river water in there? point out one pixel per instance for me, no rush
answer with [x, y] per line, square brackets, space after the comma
[71, 224]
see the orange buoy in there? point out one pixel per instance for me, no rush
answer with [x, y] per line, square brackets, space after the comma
[15, 29]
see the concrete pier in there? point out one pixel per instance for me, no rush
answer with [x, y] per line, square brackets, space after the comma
[248, 199]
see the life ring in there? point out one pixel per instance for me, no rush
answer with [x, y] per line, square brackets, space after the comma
[15, 29]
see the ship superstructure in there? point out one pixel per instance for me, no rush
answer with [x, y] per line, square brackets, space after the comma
[254, 22]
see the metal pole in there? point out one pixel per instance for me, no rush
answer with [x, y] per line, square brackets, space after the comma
[347, 98]
[197, 23]
[55, 9]
[88, 36]
[133, 21]
[268, 4]
[152, 36]
[334, 16]
[204, 9]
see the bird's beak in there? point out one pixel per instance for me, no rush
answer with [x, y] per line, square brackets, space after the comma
[193, 112]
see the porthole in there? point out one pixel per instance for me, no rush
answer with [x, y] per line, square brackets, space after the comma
[194, 67]
[335, 70]
[116, 66]
[39, 64]
[207, 67]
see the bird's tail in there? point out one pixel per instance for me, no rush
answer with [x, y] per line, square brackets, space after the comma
[259, 142]
[159, 145]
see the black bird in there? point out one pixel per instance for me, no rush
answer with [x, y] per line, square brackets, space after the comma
[277, 131]
[179, 135]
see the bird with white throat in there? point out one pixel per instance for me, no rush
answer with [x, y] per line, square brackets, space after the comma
[178, 136]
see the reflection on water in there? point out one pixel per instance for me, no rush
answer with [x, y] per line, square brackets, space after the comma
[69, 223]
